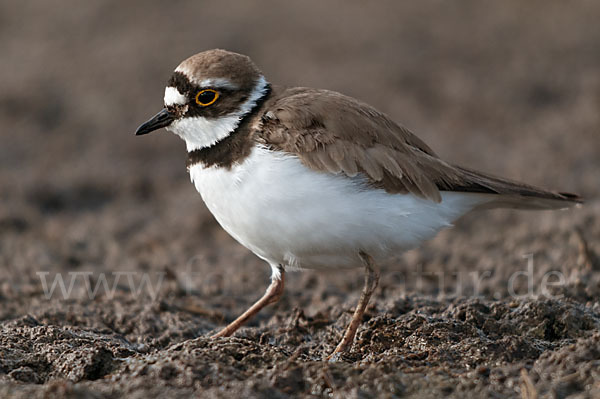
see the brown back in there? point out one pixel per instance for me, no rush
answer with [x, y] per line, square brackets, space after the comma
[334, 133]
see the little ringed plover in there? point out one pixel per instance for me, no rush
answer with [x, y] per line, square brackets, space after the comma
[310, 178]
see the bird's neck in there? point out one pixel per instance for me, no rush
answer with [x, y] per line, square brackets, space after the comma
[232, 141]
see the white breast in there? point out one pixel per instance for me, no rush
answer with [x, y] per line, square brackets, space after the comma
[288, 214]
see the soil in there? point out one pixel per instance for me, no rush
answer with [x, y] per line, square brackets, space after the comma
[505, 304]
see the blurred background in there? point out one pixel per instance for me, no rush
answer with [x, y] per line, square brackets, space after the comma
[508, 87]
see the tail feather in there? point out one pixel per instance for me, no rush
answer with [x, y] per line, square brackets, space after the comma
[504, 193]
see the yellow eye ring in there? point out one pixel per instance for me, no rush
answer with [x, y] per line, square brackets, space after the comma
[206, 97]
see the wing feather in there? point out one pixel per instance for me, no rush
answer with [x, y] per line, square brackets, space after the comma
[333, 133]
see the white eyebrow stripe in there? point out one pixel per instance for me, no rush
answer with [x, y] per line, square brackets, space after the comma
[173, 97]
[218, 82]
[208, 82]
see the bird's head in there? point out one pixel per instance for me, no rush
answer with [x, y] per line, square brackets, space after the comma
[207, 96]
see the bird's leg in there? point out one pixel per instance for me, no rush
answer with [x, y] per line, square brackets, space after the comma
[272, 295]
[371, 281]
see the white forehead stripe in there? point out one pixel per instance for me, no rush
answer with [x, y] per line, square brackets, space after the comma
[173, 97]
[184, 70]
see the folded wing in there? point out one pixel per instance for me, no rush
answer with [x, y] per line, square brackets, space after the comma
[333, 133]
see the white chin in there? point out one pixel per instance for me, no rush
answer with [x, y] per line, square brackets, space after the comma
[199, 132]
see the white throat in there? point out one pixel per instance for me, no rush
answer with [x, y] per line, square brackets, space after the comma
[199, 132]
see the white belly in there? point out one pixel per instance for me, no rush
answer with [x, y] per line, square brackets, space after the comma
[290, 215]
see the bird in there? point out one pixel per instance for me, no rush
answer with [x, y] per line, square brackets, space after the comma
[313, 179]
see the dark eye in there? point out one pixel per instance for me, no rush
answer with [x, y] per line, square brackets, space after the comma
[206, 97]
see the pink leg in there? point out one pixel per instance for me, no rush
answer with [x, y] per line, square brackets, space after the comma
[272, 295]
[371, 281]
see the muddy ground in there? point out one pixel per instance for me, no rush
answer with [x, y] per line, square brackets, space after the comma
[506, 304]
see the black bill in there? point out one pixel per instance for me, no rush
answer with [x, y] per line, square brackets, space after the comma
[162, 119]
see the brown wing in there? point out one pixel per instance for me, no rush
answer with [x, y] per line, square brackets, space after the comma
[338, 134]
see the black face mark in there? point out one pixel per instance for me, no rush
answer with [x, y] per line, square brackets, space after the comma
[208, 102]
[181, 83]
[234, 147]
